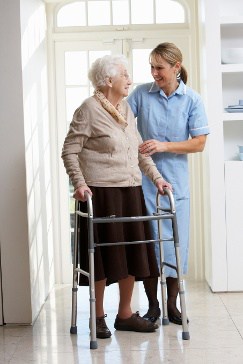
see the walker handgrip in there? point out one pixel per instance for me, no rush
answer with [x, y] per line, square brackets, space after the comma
[90, 207]
[169, 194]
[89, 203]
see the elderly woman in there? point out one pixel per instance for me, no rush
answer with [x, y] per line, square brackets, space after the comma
[101, 157]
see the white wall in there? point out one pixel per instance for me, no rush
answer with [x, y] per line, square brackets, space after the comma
[25, 186]
[37, 142]
[215, 229]
[197, 239]
[13, 209]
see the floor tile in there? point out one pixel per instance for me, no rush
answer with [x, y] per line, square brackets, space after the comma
[216, 332]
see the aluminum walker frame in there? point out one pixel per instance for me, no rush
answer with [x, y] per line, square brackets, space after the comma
[159, 215]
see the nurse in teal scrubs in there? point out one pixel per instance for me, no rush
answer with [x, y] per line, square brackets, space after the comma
[172, 122]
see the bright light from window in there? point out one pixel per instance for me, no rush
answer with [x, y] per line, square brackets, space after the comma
[72, 15]
[120, 10]
[76, 68]
[76, 75]
[99, 13]
[142, 11]
[169, 11]
[74, 97]
[34, 34]
[93, 55]
[141, 57]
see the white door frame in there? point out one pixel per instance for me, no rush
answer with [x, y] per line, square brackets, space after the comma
[120, 42]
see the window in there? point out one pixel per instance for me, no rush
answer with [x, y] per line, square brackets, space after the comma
[90, 13]
[78, 87]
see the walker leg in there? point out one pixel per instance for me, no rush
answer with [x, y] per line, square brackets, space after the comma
[73, 329]
[93, 340]
[165, 320]
[185, 332]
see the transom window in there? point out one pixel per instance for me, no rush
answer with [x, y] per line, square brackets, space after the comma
[90, 13]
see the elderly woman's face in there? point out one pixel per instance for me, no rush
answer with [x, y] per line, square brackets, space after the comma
[121, 82]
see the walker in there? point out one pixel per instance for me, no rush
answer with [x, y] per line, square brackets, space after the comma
[160, 214]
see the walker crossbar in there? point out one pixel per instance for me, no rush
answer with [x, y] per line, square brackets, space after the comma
[159, 215]
[133, 242]
[102, 220]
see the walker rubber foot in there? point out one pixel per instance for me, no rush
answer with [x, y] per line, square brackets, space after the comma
[165, 321]
[93, 345]
[73, 330]
[185, 336]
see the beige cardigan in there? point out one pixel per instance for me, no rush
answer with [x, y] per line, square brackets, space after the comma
[98, 151]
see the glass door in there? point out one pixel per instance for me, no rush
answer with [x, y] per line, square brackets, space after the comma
[73, 86]
[137, 49]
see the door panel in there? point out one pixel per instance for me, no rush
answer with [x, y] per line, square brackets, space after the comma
[140, 48]
[72, 87]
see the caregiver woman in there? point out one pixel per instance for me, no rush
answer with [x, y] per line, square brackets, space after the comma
[172, 122]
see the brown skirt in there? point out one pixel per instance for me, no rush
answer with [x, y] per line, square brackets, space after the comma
[117, 262]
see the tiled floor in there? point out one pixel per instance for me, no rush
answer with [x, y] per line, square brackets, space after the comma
[216, 330]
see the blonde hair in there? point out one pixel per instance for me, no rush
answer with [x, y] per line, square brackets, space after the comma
[171, 54]
[104, 68]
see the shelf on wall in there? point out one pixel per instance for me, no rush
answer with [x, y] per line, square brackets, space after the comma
[231, 19]
[227, 116]
[232, 68]
[239, 162]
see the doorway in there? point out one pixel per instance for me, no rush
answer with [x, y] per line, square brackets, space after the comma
[73, 59]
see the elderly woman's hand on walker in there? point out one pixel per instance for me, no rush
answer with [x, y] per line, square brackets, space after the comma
[160, 183]
[79, 193]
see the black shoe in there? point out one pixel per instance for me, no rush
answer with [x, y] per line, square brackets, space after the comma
[176, 319]
[102, 331]
[134, 323]
[153, 314]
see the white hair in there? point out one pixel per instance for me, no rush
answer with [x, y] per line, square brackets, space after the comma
[105, 67]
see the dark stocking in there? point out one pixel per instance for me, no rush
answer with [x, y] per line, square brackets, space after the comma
[151, 286]
[172, 293]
